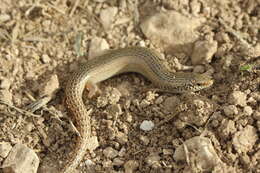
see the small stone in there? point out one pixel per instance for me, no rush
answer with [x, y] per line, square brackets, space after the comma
[237, 98]
[118, 162]
[50, 86]
[92, 143]
[199, 69]
[21, 159]
[5, 83]
[200, 151]
[256, 115]
[248, 110]
[153, 160]
[29, 127]
[171, 31]
[171, 103]
[167, 151]
[130, 166]
[147, 125]
[159, 100]
[109, 96]
[45, 58]
[6, 96]
[144, 139]
[5, 148]
[230, 111]
[107, 17]
[110, 152]
[203, 52]
[245, 139]
[4, 17]
[114, 96]
[98, 46]
[144, 103]
[115, 110]
[122, 138]
[227, 128]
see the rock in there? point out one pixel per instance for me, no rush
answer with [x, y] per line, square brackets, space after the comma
[201, 153]
[167, 151]
[171, 103]
[115, 110]
[109, 96]
[244, 140]
[130, 166]
[122, 138]
[110, 152]
[118, 162]
[93, 143]
[50, 86]
[5, 83]
[97, 47]
[172, 31]
[237, 98]
[227, 128]
[45, 58]
[5, 148]
[147, 125]
[4, 17]
[153, 160]
[247, 110]
[203, 52]
[6, 96]
[144, 139]
[21, 159]
[230, 111]
[107, 17]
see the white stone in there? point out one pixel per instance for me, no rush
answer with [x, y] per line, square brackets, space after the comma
[147, 125]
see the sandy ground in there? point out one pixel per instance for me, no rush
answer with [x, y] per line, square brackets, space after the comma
[42, 43]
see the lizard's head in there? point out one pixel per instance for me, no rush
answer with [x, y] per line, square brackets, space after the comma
[185, 82]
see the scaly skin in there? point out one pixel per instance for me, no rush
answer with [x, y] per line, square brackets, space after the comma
[134, 59]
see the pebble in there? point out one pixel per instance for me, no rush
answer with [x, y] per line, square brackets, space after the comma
[237, 98]
[50, 86]
[107, 17]
[147, 125]
[230, 111]
[130, 166]
[6, 96]
[202, 152]
[45, 58]
[171, 103]
[4, 17]
[244, 140]
[118, 162]
[110, 152]
[122, 138]
[171, 30]
[93, 143]
[21, 159]
[153, 160]
[144, 139]
[5, 148]
[115, 110]
[227, 128]
[5, 83]
[247, 110]
[97, 47]
[203, 52]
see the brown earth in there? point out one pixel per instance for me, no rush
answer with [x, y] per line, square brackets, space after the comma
[41, 44]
